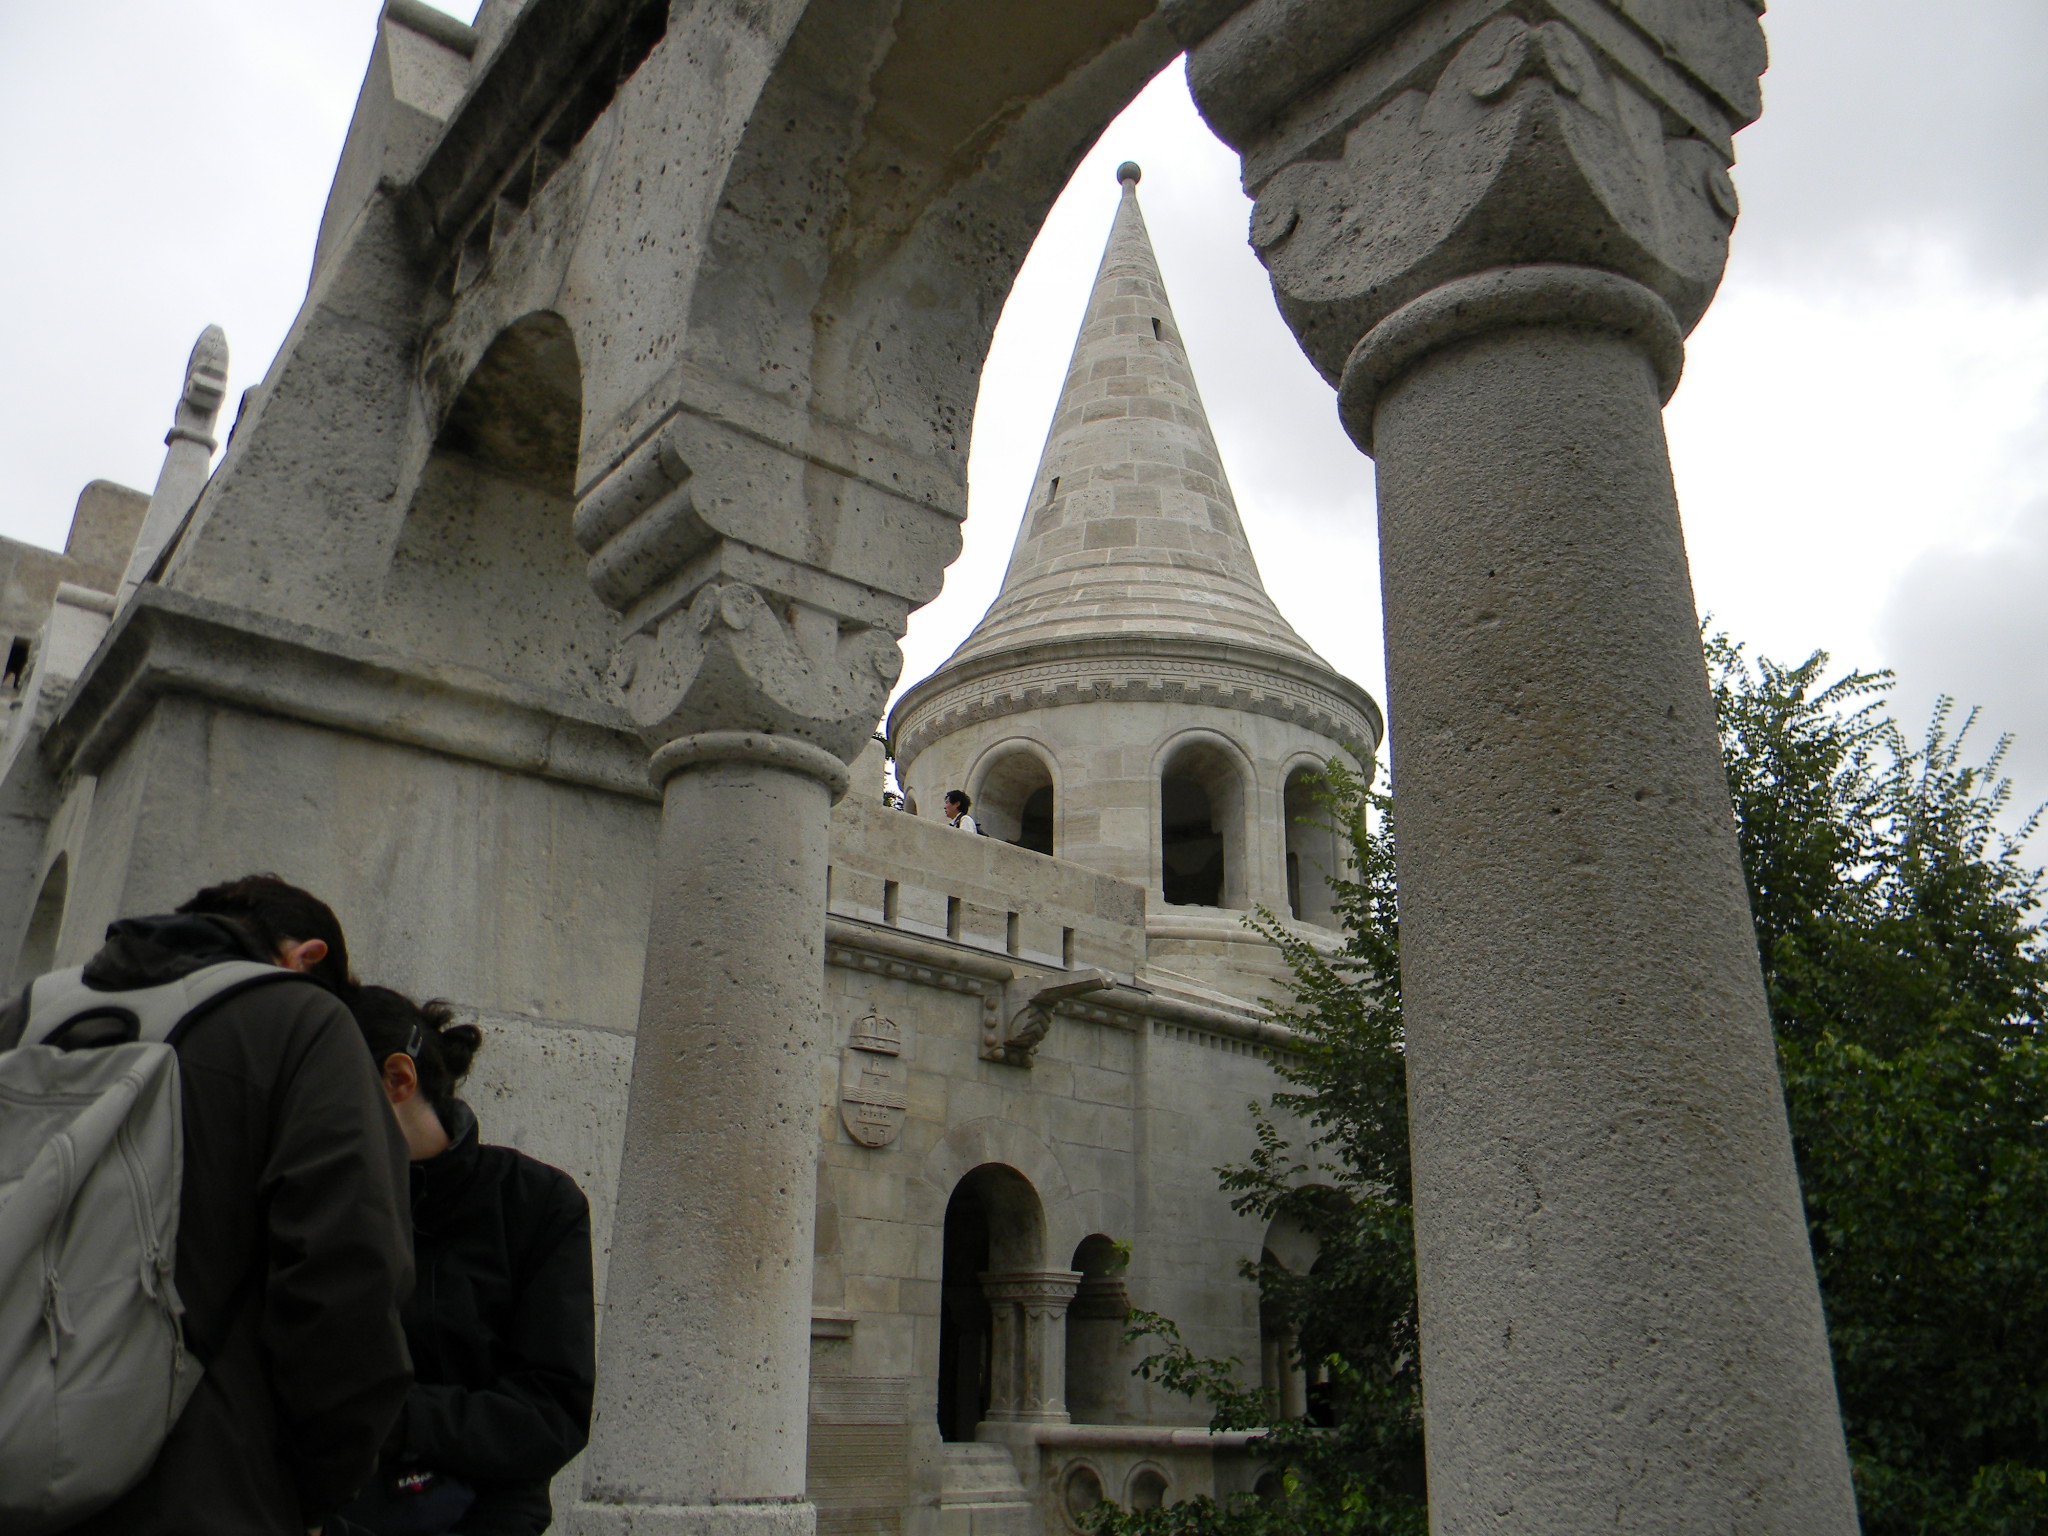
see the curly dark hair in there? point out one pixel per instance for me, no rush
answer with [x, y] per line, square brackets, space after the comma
[441, 1050]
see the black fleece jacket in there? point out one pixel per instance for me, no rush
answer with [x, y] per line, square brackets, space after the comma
[293, 1251]
[501, 1326]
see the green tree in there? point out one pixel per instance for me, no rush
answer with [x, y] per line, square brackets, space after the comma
[1903, 952]
[1902, 947]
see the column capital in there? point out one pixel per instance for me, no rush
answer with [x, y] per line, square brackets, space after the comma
[1032, 1287]
[1462, 137]
[728, 646]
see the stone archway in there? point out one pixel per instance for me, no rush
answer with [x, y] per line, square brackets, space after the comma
[783, 243]
[995, 1226]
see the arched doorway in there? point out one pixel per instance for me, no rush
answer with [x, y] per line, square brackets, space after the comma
[994, 1226]
[1098, 1376]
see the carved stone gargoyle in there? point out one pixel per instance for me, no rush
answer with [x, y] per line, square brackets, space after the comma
[1015, 1042]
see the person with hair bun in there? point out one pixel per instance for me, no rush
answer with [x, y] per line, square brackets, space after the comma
[501, 1322]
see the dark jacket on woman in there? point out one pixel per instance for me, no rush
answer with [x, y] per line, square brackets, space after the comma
[502, 1328]
[292, 1251]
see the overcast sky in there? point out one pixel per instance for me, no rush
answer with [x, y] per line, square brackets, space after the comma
[1861, 440]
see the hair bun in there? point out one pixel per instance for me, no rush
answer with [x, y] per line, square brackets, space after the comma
[459, 1042]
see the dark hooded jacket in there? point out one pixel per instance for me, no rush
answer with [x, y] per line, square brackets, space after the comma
[501, 1325]
[293, 1251]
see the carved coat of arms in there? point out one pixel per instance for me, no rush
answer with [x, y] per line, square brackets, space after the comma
[872, 1082]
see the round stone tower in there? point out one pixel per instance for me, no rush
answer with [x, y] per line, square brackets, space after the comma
[1133, 700]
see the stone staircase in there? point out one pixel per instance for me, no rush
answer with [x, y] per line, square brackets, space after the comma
[980, 1493]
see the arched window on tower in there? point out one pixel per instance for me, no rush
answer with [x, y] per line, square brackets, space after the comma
[1015, 799]
[1201, 827]
[1314, 849]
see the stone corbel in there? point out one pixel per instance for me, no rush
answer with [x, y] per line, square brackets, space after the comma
[1016, 1041]
[722, 636]
[1577, 136]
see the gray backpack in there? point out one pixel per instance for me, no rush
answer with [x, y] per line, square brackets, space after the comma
[94, 1368]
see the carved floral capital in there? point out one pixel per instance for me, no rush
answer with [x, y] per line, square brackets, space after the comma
[1473, 137]
[714, 656]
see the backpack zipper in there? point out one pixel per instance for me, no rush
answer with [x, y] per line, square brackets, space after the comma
[156, 1267]
[56, 1315]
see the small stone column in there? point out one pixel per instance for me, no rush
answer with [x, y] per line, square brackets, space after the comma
[188, 457]
[755, 700]
[1293, 1376]
[1620, 1327]
[1028, 1354]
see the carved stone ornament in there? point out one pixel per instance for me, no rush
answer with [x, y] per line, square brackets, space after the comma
[1555, 133]
[872, 1082]
[206, 386]
[705, 651]
[1018, 1041]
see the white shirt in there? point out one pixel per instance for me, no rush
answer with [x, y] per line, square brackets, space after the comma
[964, 822]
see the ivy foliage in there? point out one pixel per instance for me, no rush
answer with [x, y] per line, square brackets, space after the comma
[1902, 942]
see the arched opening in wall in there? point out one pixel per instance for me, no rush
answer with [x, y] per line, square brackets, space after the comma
[46, 920]
[1314, 848]
[1201, 827]
[487, 572]
[1289, 1250]
[1098, 1376]
[1014, 800]
[1148, 1487]
[994, 1225]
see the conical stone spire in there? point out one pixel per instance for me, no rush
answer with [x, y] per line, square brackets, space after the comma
[1131, 529]
[1131, 584]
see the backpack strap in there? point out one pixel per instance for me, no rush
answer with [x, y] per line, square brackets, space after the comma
[161, 1013]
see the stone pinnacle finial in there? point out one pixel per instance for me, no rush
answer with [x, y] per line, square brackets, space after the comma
[188, 455]
[1130, 173]
[206, 385]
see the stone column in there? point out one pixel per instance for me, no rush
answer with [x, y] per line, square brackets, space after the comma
[188, 457]
[1494, 228]
[1293, 1376]
[1028, 1360]
[755, 700]
[1005, 1354]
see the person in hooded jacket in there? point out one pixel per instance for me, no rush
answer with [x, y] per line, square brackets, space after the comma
[292, 1253]
[501, 1321]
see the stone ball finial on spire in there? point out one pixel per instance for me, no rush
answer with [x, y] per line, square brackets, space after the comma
[1129, 173]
